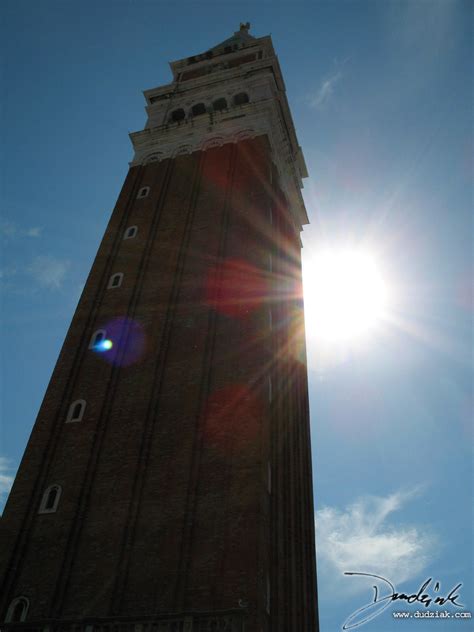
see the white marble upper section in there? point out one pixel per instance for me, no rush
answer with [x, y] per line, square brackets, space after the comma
[233, 91]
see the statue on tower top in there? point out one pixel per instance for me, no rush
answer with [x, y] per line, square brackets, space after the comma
[245, 27]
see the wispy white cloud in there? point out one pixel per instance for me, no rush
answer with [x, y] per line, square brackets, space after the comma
[362, 538]
[34, 231]
[48, 271]
[10, 230]
[6, 479]
[328, 85]
[326, 89]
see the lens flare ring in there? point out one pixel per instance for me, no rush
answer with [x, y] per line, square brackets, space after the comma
[104, 345]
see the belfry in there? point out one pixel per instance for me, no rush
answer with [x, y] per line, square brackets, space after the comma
[167, 485]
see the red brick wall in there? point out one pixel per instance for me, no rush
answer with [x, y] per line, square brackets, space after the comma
[164, 502]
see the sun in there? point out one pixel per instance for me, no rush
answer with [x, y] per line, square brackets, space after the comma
[345, 295]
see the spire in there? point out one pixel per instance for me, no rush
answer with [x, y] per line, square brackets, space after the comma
[240, 37]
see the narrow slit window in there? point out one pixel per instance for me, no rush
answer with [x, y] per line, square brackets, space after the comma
[115, 280]
[143, 193]
[131, 232]
[76, 410]
[17, 610]
[270, 392]
[270, 318]
[50, 500]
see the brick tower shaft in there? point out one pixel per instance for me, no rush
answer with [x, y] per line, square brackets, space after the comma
[167, 482]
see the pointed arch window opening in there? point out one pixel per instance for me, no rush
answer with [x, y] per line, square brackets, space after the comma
[177, 115]
[131, 232]
[241, 98]
[115, 280]
[198, 109]
[97, 337]
[76, 411]
[50, 500]
[143, 193]
[220, 104]
[17, 610]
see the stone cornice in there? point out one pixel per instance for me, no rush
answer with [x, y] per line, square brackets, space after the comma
[230, 126]
[267, 112]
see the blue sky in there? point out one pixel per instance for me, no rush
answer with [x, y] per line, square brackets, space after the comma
[381, 95]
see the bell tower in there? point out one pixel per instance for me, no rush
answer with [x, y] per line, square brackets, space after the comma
[167, 483]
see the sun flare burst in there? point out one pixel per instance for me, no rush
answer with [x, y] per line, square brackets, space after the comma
[345, 296]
